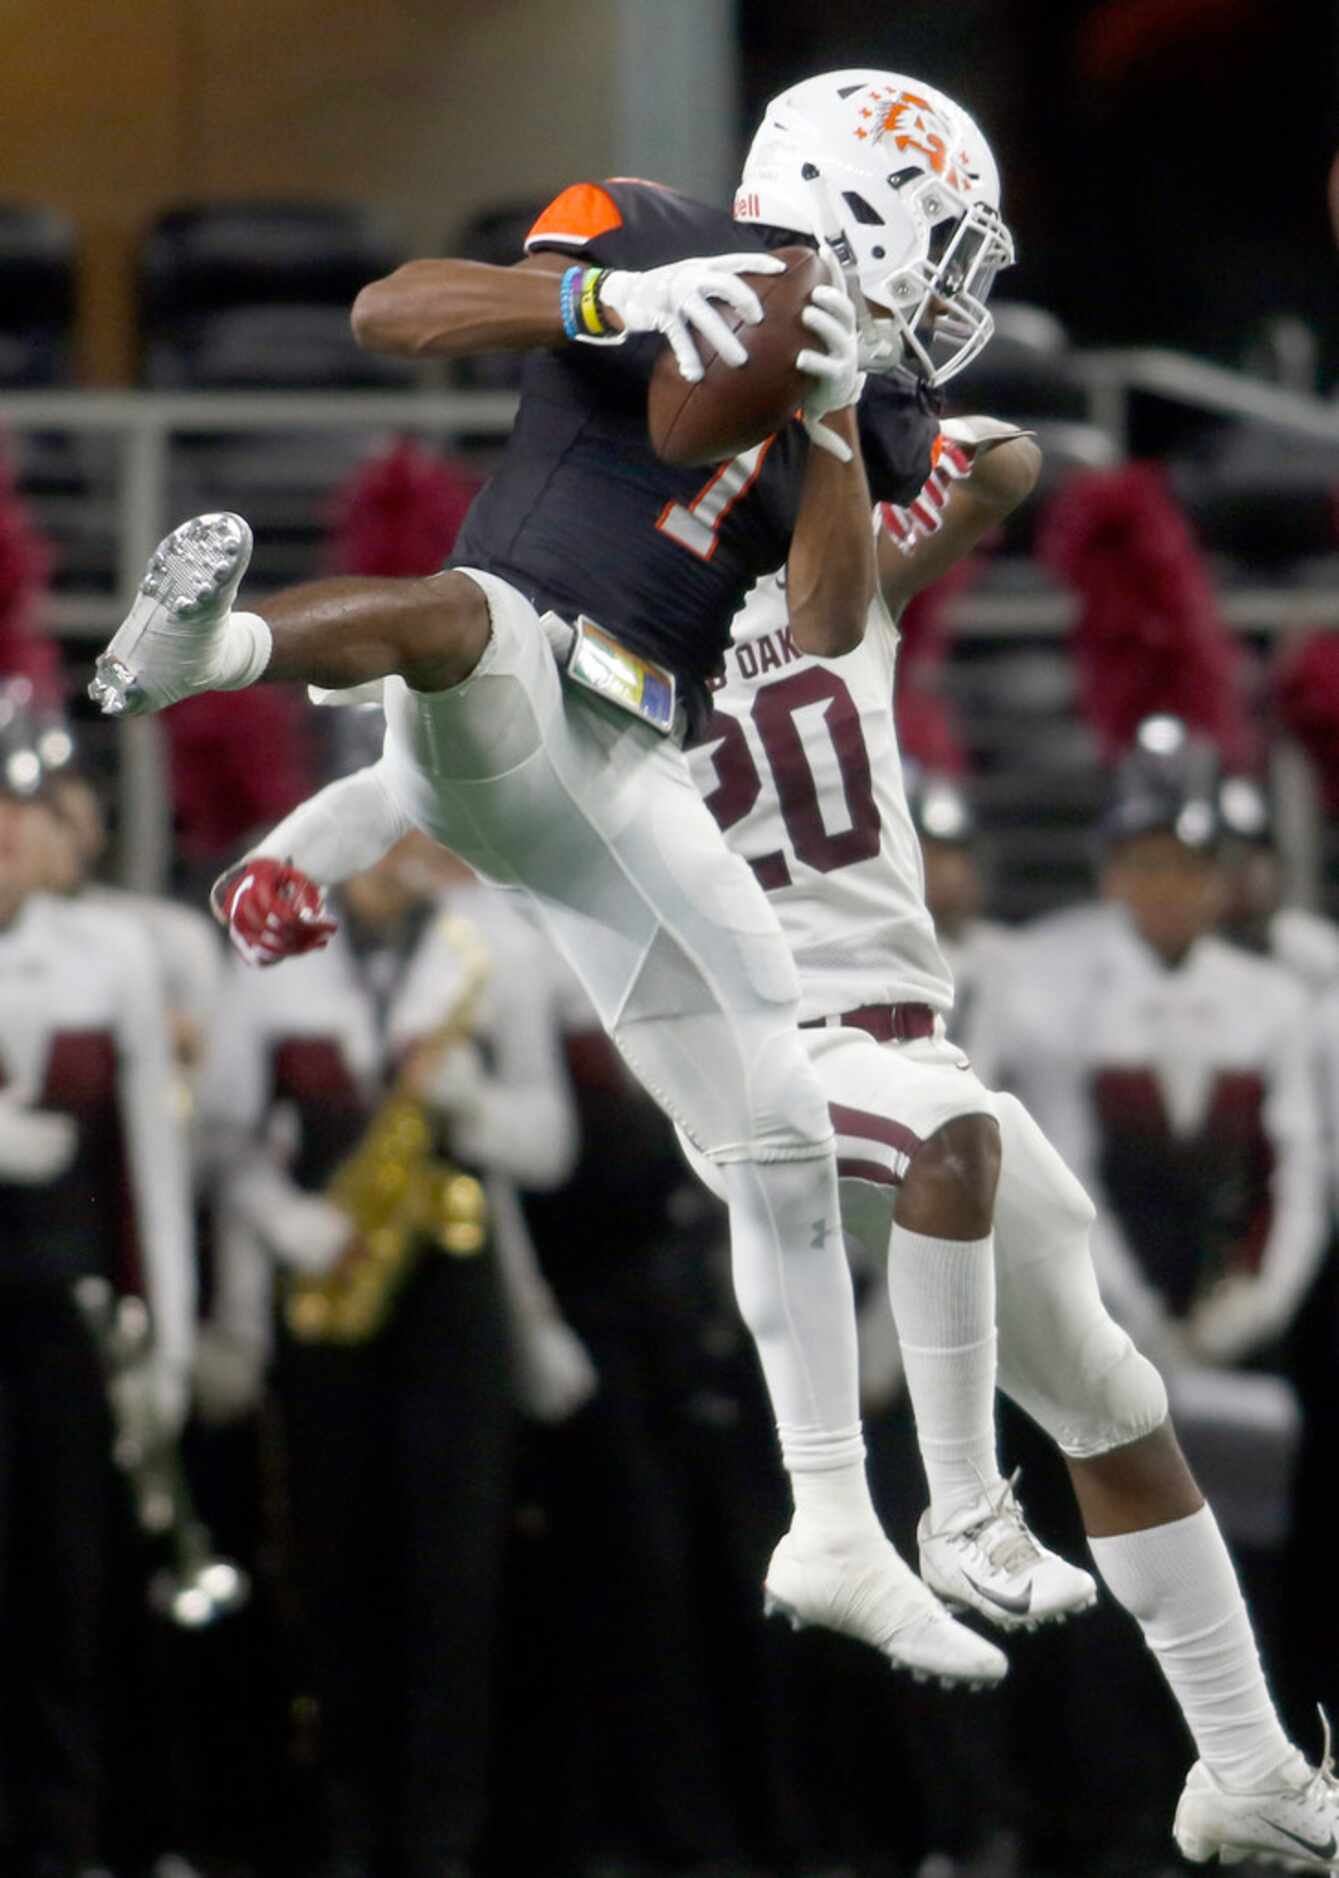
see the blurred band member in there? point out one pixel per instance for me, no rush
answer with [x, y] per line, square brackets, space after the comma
[184, 940]
[400, 1445]
[1173, 1071]
[1255, 914]
[88, 1145]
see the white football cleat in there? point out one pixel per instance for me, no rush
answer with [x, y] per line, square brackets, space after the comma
[986, 1560]
[1294, 1822]
[874, 1596]
[168, 645]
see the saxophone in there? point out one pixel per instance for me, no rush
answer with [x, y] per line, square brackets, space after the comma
[399, 1196]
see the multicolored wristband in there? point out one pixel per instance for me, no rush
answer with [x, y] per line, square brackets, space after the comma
[592, 313]
[579, 301]
[569, 300]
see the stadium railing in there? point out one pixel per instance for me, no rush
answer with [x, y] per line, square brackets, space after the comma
[146, 425]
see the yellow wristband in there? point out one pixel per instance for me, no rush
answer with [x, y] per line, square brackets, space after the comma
[591, 316]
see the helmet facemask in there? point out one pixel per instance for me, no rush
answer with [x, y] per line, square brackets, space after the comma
[929, 311]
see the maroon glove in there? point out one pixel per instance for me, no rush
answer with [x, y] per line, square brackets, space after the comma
[271, 911]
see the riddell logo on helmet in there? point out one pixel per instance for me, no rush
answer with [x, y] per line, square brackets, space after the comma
[746, 206]
[913, 123]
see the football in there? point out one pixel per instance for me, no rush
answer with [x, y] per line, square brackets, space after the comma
[731, 408]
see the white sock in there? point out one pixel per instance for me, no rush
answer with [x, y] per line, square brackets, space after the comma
[943, 1298]
[1178, 1583]
[244, 650]
[833, 1510]
[793, 1285]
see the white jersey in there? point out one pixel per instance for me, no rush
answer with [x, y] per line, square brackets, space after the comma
[186, 944]
[801, 770]
[83, 1031]
[299, 1059]
[1184, 1099]
[321, 1033]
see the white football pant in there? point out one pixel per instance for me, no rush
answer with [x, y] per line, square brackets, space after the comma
[540, 785]
[1062, 1357]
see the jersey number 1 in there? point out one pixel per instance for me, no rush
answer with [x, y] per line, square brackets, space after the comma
[739, 785]
[697, 525]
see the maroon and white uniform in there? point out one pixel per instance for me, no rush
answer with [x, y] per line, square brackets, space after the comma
[83, 1035]
[185, 942]
[801, 769]
[1185, 1098]
[803, 772]
[298, 1061]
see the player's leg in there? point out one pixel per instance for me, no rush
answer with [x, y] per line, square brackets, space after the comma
[941, 1284]
[915, 1115]
[1155, 1541]
[708, 1024]
[598, 819]
[183, 634]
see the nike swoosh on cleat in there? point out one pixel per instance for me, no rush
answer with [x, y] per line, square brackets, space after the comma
[1325, 1852]
[1006, 1602]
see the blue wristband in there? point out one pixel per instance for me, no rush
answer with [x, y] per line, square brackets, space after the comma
[570, 301]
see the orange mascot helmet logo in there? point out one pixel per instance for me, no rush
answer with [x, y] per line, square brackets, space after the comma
[911, 122]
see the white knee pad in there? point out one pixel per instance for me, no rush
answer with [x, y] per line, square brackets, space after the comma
[1094, 1394]
[788, 1107]
[759, 1100]
[1123, 1396]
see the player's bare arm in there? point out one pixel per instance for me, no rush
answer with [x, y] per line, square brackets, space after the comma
[432, 632]
[449, 308]
[1002, 472]
[830, 570]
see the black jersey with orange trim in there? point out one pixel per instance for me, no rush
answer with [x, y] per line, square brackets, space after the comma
[583, 517]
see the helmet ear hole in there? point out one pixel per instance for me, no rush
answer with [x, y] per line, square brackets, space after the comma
[863, 211]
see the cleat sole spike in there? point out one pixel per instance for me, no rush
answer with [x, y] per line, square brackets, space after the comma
[161, 651]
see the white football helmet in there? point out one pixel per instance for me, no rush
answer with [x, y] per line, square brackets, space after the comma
[899, 180]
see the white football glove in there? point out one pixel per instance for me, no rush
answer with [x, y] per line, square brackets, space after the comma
[36, 1145]
[973, 433]
[830, 316]
[676, 300]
